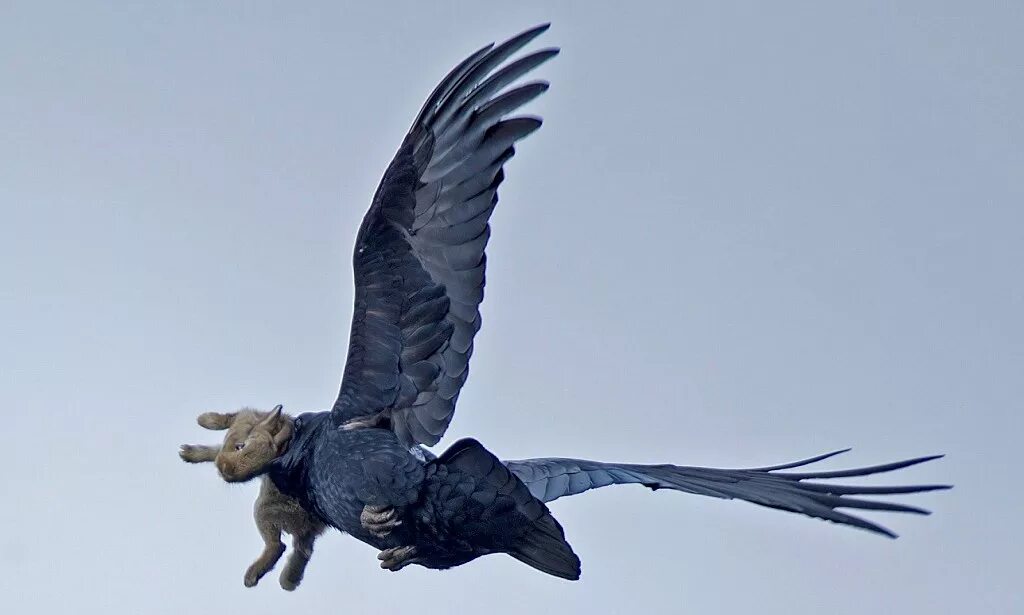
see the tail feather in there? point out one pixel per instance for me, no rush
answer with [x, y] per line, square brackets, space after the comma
[544, 547]
[551, 478]
[502, 515]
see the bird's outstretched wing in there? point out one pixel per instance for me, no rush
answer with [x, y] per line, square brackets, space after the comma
[419, 257]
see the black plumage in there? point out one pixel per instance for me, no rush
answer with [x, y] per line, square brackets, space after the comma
[420, 272]
[419, 258]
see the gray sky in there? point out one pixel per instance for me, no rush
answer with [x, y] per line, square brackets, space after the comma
[748, 232]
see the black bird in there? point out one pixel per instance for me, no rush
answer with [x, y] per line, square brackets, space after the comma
[419, 274]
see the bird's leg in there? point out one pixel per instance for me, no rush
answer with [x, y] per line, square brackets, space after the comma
[396, 558]
[379, 520]
[379, 420]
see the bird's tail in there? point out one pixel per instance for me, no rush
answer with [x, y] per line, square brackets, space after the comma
[504, 515]
[551, 478]
[544, 547]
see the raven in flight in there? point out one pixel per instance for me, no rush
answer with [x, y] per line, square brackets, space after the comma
[419, 274]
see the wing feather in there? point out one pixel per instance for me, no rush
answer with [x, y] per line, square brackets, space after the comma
[419, 258]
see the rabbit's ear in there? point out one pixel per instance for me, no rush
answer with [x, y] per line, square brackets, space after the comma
[271, 421]
[283, 435]
[216, 420]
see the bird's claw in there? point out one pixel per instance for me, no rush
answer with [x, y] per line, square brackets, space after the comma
[396, 558]
[359, 423]
[380, 420]
[379, 520]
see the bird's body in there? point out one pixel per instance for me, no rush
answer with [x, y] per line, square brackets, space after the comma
[336, 473]
[419, 272]
[449, 509]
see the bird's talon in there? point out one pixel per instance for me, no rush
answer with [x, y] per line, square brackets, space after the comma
[379, 520]
[396, 558]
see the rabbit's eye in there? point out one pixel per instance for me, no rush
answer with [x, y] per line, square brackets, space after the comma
[240, 446]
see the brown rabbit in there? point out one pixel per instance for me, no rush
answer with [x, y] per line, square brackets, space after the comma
[254, 439]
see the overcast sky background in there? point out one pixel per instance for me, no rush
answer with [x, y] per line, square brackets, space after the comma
[748, 232]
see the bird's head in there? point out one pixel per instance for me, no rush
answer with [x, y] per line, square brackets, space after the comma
[253, 441]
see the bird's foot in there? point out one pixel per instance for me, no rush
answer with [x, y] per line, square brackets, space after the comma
[379, 420]
[379, 520]
[396, 558]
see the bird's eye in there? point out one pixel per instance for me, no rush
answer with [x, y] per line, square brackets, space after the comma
[240, 446]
